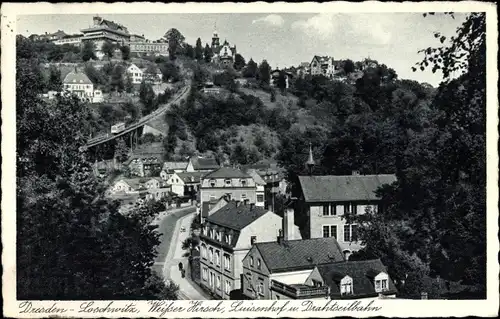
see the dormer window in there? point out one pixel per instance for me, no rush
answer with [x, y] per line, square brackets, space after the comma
[346, 286]
[381, 282]
[212, 183]
[227, 182]
[243, 182]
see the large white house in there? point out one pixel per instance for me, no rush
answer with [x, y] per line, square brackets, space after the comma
[79, 84]
[140, 74]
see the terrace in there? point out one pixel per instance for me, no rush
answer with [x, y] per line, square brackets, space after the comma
[300, 291]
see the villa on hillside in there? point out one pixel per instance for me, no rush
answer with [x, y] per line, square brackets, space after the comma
[79, 84]
[223, 54]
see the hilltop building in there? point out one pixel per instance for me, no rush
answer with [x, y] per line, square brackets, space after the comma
[105, 30]
[223, 54]
[73, 39]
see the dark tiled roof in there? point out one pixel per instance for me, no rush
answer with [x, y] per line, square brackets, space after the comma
[174, 165]
[227, 172]
[190, 177]
[76, 78]
[342, 188]
[236, 217]
[299, 254]
[204, 163]
[362, 273]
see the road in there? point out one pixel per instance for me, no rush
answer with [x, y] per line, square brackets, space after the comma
[171, 252]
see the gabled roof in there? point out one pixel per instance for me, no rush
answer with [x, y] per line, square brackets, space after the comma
[235, 216]
[206, 163]
[76, 78]
[256, 177]
[299, 254]
[342, 188]
[190, 177]
[174, 165]
[362, 273]
[227, 172]
[135, 183]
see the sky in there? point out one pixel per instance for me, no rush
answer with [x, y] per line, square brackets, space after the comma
[286, 39]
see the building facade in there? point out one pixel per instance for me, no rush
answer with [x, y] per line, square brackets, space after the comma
[147, 47]
[227, 236]
[75, 40]
[185, 183]
[144, 165]
[104, 30]
[330, 200]
[223, 54]
[323, 65]
[226, 181]
[278, 269]
[79, 84]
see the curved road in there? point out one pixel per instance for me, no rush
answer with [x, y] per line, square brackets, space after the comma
[106, 138]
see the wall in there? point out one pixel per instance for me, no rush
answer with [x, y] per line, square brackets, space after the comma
[317, 220]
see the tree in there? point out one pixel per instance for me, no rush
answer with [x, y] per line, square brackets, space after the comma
[208, 53]
[55, 83]
[175, 41]
[117, 83]
[239, 62]
[198, 51]
[281, 81]
[88, 52]
[125, 52]
[96, 76]
[129, 85]
[121, 151]
[189, 51]
[108, 48]
[348, 66]
[147, 97]
[170, 72]
[170, 143]
[250, 71]
[273, 96]
[72, 243]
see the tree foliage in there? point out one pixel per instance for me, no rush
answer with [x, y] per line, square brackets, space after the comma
[239, 62]
[88, 51]
[250, 71]
[198, 50]
[208, 53]
[175, 41]
[72, 243]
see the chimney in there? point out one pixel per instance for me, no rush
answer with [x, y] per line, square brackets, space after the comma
[280, 236]
[288, 224]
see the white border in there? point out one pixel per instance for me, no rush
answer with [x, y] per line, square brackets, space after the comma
[402, 308]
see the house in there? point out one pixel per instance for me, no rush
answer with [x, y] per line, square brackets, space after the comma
[157, 188]
[361, 279]
[275, 74]
[48, 36]
[228, 181]
[323, 65]
[185, 183]
[201, 164]
[152, 75]
[139, 189]
[327, 199]
[79, 84]
[260, 193]
[104, 30]
[135, 73]
[303, 69]
[148, 47]
[144, 165]
[169, 168]
[227, 236]
[223, 54]
[278, 269]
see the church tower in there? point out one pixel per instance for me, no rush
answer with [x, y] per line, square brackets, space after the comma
[310, 162]
[215, 39]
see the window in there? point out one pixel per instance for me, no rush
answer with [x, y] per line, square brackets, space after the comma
[243, 197]
[211, 255]
[212, 183]
[325, 210]
[316, 283]
[227, 262]
[333, 209]
[211, 233]
[227, 182]
[354, 232]
[260, 287]
[253, 239]
[277, 297]
[251, 261]
[218, 235]
[212, 198]
[384, 284]
[204, 251]
[259, 263]
[205, 274]
[381, 282]
[347, 209]
[354, 209]
[227, 287]
[330, 231]
[350, 233]
[249, 278]
[243, 182]
[217, 285]
[260, 198]
[346, 286]
[217, 258]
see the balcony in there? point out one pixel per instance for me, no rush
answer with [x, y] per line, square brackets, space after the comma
[300, 291]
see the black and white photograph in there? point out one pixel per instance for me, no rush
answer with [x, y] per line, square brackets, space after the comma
[314, 161]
